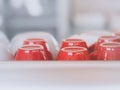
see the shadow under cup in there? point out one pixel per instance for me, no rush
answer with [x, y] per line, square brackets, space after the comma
[73, 54]
[109, 51]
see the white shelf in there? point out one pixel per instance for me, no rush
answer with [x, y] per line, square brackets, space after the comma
[60, 74]
[58, 64]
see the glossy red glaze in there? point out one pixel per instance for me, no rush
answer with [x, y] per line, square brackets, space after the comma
[109, 51]
[73, 54]
[39, 41]
[30, 53]
[73, 42]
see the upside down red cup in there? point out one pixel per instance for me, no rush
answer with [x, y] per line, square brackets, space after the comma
[30, 53]
[109, 51]
[73, 54]
[106, 39]
[40, 41]
[73, 42]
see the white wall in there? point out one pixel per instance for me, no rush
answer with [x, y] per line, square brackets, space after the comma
[96, 5]
[108, 12]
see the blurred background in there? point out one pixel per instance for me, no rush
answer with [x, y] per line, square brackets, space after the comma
[61, 18]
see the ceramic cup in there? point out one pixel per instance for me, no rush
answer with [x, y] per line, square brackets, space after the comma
[92, 48]
[5, 53]
[73, 42]
[40, 41]
[106, 39]
[30, 53]
[18, 40]
[91, 36]
[109, 51]
[73, 54]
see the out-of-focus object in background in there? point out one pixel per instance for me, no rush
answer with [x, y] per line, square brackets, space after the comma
[73, 42]
[34, 7]
[117, 33]
[1, 21]
[17, 3]
[42, 42]
[29, 15]
[114, 22]
[90, 21]
[3, 38]
[91, 36]
[30, 53]
[5, 53]
[18, 41]
[109, 51]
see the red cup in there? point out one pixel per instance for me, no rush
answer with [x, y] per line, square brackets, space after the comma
[39, 41]
[106, 39]
[34, 41]
[109, 51]
[30, 53]
[92, 48]
[94, 55]
[73, 42]
[73, 54]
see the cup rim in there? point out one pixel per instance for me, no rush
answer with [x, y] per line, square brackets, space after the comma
[31, 47]
[108, 37]
[73, 40]
[81, 49]
[110, 44]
